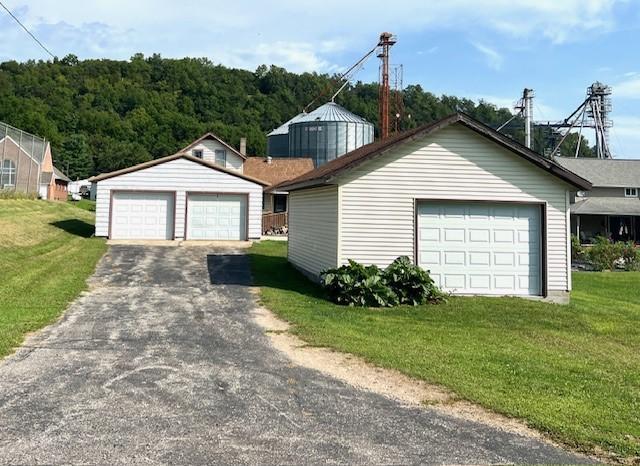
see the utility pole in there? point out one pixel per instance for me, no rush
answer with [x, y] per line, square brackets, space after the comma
[527, 100]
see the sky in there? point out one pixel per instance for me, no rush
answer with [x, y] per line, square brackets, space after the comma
[479, 49]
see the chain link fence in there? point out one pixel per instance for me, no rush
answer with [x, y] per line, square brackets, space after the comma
[21, 157]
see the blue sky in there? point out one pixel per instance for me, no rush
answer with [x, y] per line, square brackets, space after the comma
[488, 49]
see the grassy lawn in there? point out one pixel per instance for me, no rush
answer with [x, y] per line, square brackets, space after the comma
[85, 204]
[46, 255]
[570, 371]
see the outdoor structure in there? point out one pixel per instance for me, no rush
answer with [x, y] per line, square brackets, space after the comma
[211, 148]
[178, 197]
[273, 171]
[322, 135]
[612, 207]
[26, 165]
[278, 139]
[483, 213]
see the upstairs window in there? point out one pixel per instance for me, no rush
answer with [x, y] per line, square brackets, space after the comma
[197, 153]
[221, 157]
[8, 174]
[630, 192]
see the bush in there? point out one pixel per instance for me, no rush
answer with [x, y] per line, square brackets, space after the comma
[577, 250]
[400, 283]
[630, 255]
[411, 284]
[604, 254]
[357, 285]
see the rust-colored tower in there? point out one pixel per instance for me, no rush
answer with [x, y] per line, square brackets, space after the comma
[386, 41]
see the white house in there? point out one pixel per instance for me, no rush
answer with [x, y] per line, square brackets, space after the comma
[483, 213]
[178, 197]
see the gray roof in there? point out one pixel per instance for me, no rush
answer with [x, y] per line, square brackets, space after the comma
[613, 173]
[60, 175]
[331, 111]
[607, 206]
[284, 127]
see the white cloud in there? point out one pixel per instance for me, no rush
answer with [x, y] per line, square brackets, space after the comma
[247, 31]
[629, 88]
[625, 136]
[492, 57]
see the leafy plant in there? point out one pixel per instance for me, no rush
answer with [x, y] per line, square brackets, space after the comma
[400, 283]
[577, 250]
[630, 254]
[358, 285]
[604, 254]
[411, 284]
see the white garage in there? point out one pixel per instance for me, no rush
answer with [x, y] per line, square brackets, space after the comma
[142, 215]
[178, 197]
[481, 248]
[483, 213]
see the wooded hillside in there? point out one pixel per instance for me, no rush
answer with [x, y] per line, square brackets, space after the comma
[101, 115]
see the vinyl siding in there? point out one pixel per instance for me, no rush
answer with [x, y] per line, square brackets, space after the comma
[208, 148]
[377, 198]
[181, 176]
[313, 229]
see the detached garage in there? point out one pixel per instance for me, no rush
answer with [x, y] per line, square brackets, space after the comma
[178, 197]
[484, 214]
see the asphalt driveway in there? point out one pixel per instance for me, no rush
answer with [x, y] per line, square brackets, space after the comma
[161, 363]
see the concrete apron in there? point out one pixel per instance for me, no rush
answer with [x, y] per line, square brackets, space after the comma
[176, 243]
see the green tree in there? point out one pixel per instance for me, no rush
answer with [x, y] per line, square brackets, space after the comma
[74, 157]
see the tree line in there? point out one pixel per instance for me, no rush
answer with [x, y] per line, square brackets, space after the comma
[103, 115]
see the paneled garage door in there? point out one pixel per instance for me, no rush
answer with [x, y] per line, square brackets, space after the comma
[217, 217]
[481, 248]
[142, 215]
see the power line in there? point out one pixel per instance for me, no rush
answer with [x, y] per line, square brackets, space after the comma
[26, 30]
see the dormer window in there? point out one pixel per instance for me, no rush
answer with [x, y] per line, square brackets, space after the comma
[221, 157]
[630, 192]
[197, 153]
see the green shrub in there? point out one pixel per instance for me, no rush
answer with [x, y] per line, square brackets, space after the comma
[630, 254]
[357, 285]
[577, 250]
[411, 284]
[604, 254]
[400, 283]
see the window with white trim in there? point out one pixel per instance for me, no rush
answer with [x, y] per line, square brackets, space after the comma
[221, 157]
[8, 174]
[630, 192]
[197, 153]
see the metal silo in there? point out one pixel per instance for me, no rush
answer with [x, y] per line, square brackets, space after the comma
[278, 139]
[327, 133]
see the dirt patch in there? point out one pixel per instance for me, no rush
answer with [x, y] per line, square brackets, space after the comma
[387, 382]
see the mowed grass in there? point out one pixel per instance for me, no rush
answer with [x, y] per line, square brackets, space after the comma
[46, 255]
[572, 371]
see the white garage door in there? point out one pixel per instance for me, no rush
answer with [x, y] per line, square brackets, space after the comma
[481, 248]
[217, 217]
[141, 215]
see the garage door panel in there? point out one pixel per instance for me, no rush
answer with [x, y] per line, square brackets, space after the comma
[216, 216]
[142, 215]
[481, 248]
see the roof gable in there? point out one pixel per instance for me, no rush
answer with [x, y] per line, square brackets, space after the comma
[169, 158]
[327, 173]
[215, 138]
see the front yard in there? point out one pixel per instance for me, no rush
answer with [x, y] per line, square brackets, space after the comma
[46, 255]
[570, 371]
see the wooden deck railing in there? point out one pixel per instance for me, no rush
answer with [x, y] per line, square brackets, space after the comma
[273, 222]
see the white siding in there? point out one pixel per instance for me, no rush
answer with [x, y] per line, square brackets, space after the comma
[377, 199]
[208, 148]
[181, 176]
[313, 229]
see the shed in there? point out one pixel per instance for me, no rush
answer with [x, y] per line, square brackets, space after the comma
[178, 197]
[484, 214]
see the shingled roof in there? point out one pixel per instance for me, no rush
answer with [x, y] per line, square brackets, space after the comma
[611, 173]
[275, 170]
[325, 174]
